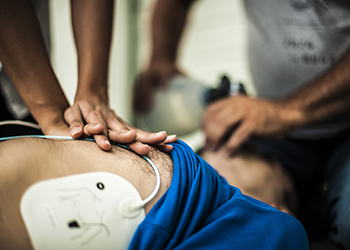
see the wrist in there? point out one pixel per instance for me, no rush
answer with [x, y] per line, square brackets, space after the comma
[48, 119]
[291, 114]
[98, 95]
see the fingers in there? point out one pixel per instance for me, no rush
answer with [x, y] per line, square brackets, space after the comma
[139, 148]
[143, 149]
[103, 142]
[76, 115]
[119, 131]
[218, 124]
[239, 136]
[74, 118]
[170, 139]
[159, 140]
[236, 137]
[151, 138]
[226, 123]
[96, 130]
[99, 130]
[93, 129]
[96, 125]
[94, 119]
[165, 148]
[104, 125]
[126, 136]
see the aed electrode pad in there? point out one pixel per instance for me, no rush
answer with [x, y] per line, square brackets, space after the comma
[81, 212]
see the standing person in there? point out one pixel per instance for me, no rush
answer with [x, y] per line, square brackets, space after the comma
[25, 59]
[300, 63]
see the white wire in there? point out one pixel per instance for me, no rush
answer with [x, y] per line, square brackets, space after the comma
[22, 123]
[44, 137]
[156, 189]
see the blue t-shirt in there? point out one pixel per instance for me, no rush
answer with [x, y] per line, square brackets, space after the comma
[201, 210]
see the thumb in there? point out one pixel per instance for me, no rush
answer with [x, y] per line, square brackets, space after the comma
[239, 136]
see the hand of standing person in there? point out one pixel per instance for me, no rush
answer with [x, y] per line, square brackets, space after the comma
[231, 121]
[168, 22]
[27, 63]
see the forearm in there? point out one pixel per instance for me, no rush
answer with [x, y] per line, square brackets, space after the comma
[168, 22]
[92, 25]
[25, 59]
[325, 98]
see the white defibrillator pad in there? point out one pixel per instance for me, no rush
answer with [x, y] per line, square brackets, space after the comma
[96, 210]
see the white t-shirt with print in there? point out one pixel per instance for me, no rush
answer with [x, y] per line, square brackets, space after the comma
[291, 42]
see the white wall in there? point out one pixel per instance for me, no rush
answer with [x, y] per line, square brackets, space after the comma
[214, 41]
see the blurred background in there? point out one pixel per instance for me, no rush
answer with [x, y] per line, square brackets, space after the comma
[214, 44]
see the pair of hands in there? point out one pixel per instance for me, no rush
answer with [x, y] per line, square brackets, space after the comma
[228, 122]
[87, 119]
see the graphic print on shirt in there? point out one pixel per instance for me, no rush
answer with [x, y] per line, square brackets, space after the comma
[313, 15]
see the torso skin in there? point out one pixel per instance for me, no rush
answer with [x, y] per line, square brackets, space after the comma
[26, 161]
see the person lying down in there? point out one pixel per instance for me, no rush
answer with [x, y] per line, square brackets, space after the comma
[63, 194]
[257, 175]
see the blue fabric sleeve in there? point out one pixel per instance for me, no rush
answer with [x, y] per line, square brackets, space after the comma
[201, 211]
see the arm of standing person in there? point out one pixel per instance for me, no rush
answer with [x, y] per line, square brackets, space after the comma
[26, 61]
[168, 22]
[239, 117]
[92, 25]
